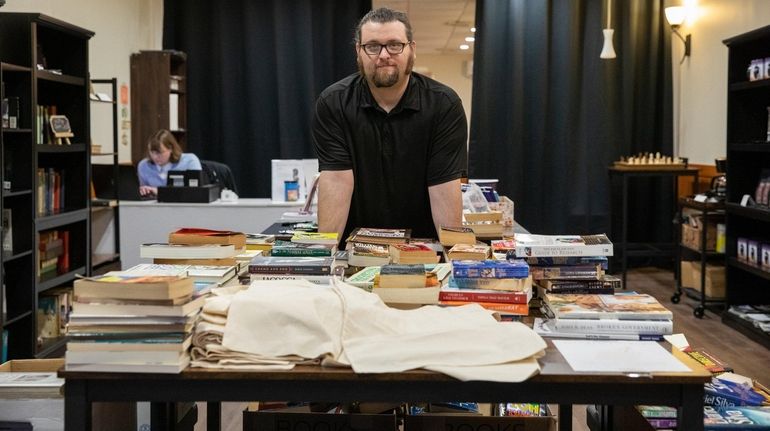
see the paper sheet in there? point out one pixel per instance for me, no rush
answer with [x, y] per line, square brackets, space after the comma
[618, 356]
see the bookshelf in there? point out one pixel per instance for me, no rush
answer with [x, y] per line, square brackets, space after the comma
[105, 220]
[748, 155]
[44, 64]
[158, 98]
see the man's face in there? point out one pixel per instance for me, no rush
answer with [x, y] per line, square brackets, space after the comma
[385, 69]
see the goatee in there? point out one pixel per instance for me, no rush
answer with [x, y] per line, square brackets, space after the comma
[385, 78]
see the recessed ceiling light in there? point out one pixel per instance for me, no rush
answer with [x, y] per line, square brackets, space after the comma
[470, 39]
[464, 47]
[473, 29]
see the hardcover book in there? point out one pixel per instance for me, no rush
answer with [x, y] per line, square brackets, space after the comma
[529, 245]
[291, 265]
[625, 306]
[607, 284]
[489, 269]
[721, 393]
[133, 287]
[499, 284]
[207, 236]
[576, 272]
[568, 261]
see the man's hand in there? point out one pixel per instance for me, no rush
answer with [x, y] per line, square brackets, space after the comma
[147, 190]
[335, 191]
[446, 204]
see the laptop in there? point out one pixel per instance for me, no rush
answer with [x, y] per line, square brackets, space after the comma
[128, 189]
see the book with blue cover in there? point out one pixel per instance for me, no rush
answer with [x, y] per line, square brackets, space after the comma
[723, 393]
[737, 418]
[490, 269]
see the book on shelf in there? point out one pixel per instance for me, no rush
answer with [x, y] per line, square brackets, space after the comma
[288, 248]
[448, 293]
[207, 236]
[622, 306]
[7, 230]
[530, 245]
[326, 238]
[185, 251]
[412, 253]
[291, 265]
[106, 307]
[544, 328]
[490, 269]
[380, 236]
[451, 235]
[133, 287]
[498, 284]
[468, 252]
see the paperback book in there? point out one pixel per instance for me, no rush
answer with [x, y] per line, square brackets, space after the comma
[380, 236]
[183, 251]
[576, 272]
[490, 269]
[291, 265]
[288, 248]
[497, 284]
[529, 245]
[626, 306]
[326, 238]
[134, 287]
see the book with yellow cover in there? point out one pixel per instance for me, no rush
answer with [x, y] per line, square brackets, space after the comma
[134, 287]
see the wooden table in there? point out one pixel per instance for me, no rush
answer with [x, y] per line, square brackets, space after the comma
[557, 383]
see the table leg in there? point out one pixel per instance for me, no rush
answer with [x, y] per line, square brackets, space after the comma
[77, 407]
[565, 417]
[624, 229]
[213, 416]
[162, 416]
[691, 411]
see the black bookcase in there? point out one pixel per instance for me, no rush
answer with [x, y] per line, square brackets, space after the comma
[748, 154]
[46, 186]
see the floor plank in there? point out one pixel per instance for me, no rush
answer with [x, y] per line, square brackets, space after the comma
[744, 355]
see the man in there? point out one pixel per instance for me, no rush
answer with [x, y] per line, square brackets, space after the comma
[391, 143]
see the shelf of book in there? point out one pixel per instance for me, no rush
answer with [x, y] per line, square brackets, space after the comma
[759, 147]
[73, 148]
[65, 217]
[745, 266]
[746, 328]
[12, 194]
[11, 257]
[750, 212]
[46, 75]
[53, 281]
[17, 318]
[52, 347]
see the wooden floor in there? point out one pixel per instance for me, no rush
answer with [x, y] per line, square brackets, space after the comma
[745, 356]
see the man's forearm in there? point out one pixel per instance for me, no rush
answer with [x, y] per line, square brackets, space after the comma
[335, 190]
[446, 204]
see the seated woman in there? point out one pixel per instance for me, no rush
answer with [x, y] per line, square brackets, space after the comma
[163, 154]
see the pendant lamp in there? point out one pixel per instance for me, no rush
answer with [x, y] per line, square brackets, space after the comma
[608, 51]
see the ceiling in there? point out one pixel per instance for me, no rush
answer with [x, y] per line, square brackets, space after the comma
[439, 26]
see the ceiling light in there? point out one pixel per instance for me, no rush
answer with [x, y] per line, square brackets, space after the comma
[473, 29]
[470, 39]
[464, 47]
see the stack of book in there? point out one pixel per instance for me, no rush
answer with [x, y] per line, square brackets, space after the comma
[259, 241]
[567, 263]
[596, 316]
[405, 286]
[485, 224]
[204, 277]
[502, 286]
[183, 254]
[306, 244]
[371, 247]
[315, 269]
[126, 323]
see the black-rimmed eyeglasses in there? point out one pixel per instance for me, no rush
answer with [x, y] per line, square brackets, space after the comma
[393, 48]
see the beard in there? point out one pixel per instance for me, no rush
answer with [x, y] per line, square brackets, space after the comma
[385, 77]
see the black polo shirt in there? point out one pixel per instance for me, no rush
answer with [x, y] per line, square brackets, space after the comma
[394, 156]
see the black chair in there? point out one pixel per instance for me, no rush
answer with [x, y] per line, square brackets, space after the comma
[219, 173]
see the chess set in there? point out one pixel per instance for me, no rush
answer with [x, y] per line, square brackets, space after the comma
[650, 161]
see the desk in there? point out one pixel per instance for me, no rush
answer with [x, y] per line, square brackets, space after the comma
[646, 249]
[151, 221]
[556, 383]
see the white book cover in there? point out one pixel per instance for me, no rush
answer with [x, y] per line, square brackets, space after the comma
[530, 245]
[212, 273]
[173, 111]
[184, 251]
[615, 326]
[15, 379]
[287, 170]
[119, 309]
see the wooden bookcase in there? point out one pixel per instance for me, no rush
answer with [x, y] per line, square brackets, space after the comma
[748, 154]
[44, 63]
[158, 98]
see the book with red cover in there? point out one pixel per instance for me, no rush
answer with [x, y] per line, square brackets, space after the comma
[481, 295]
[189, 235]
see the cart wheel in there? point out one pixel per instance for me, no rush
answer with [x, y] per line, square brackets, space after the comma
[698, 312]
[675, 298]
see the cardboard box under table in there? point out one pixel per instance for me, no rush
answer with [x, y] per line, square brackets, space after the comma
[715, 278]
[459, 422]
[266, 420]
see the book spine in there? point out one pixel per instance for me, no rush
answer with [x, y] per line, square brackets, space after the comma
[289, 269]
[577, 290]
[521, 309]
[661, 327]
[315, 279]
[588, 272]
[514, 298]
[564, 251]
[658, 423]
[486, 272]
[300, 252]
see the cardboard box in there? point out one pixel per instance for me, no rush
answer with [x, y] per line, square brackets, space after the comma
[266, 420]
[715, 278]
[45, 413]
[458, 422]
[691, 234]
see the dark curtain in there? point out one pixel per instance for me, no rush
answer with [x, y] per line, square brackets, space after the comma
[254, 70]
[549, 116]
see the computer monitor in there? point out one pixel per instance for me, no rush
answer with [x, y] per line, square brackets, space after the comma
[105, 183]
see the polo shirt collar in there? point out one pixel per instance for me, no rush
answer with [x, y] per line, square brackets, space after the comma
[409, 100]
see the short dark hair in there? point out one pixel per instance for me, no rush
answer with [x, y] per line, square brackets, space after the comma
[383, 15]
[164, 139]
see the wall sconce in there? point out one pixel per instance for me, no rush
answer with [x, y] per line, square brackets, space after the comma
[675, 15]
